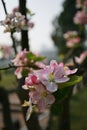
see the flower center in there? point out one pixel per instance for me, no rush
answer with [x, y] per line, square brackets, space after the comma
[43, 94]
[51, 77]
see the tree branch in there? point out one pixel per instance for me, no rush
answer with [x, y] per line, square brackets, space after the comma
[12, 66]
[4, 7]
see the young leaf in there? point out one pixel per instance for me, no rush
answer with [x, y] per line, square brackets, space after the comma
[73, 80]
[31, 56]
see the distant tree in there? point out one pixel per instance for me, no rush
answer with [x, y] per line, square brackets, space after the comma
[62, 24]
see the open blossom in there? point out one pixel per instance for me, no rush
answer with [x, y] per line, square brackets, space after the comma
[80, 60]
[41, 97]
[80, 17]
[49, 76]
[53, 74]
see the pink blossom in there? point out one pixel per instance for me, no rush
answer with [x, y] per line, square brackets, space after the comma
[31, 80]
[85, 3]
[80, 60]
[18, 72]
[20, 61]
[20, 58]
[41, 97]
[73, 42]
[42, 83]
[80, 18]
[72, 38]
[52, 75]
[40, 65]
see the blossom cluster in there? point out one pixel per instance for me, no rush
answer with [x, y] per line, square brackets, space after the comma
[20, 61]
[42, 83]
[80, 17]
[16, 22]
[72, 38]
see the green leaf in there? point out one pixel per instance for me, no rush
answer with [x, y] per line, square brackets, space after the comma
[73, 80]
[39, 58]
[29, 12]
[31, 56]
[25, 72]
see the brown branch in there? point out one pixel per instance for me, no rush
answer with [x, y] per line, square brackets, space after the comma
[12, 66]
[4, 7]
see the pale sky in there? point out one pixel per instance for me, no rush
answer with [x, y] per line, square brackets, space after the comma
[45, 11]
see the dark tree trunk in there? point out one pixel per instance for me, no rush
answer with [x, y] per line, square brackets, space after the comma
[64, 117]
[32, 123]
[24, 33]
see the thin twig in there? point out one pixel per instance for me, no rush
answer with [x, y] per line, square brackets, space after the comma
[4, 7]
[13, 40]
[12, 66]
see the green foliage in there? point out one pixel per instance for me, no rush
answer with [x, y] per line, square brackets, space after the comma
[8, 81]
[78, 110]
[73, 80]
[31, 56]
[29, 12]
[62, 24]
[25, 72]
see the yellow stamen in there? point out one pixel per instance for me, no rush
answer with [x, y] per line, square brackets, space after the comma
[51, 77]
[44, 94]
